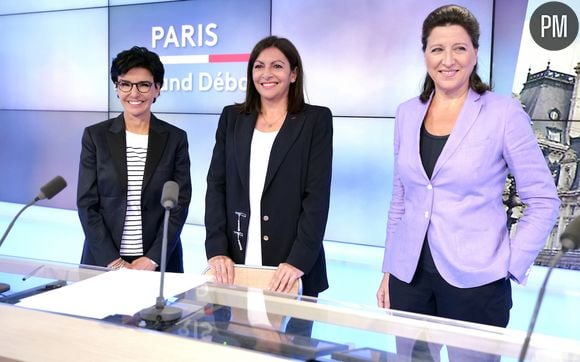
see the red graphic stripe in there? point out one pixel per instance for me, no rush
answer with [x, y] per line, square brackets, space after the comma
[228, 58]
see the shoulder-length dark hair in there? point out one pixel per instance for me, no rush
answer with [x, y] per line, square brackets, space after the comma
[452, 15]
[295, 93]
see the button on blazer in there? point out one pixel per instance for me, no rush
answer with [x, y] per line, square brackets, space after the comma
[296, 194]
[460, 208]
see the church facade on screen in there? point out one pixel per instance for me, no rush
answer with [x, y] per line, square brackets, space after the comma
[552, 99]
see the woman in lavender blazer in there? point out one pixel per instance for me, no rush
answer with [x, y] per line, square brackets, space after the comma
[448, 251]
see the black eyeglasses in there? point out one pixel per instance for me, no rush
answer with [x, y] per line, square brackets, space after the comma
[142, 87]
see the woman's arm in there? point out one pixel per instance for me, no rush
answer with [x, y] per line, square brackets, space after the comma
[316, 197]
[216, 242]
[535, 187]
[98, 239]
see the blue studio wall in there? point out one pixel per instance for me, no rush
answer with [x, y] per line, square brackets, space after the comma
[361, 59]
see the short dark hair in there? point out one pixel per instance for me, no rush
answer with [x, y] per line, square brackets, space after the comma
[452, 15]
[138, 57]
[296, 91]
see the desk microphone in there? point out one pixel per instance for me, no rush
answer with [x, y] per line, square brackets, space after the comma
[48, 191]
[570, 240]
[160, 313]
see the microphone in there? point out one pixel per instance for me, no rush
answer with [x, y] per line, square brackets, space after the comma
[570, 240]
[51, 188]
[170, 195]
[160, 313]
[48, 191]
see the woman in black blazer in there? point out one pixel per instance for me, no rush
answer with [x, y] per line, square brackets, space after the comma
[268, 184]
[124, 163]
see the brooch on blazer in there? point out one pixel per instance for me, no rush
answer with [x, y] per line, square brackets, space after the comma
[239, 232]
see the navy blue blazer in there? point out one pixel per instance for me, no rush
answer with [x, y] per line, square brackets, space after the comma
[296, 192]
[102, 191]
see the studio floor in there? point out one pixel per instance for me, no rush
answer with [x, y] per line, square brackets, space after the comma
[354, 270]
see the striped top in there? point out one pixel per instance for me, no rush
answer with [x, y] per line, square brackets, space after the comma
[132, 240]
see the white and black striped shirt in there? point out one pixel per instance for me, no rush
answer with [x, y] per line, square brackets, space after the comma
[132, 240]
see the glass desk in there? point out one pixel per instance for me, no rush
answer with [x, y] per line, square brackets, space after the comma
[243, 320]
[28, 277]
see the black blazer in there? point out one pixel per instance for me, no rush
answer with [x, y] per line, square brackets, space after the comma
[296, 193]
[102, 191]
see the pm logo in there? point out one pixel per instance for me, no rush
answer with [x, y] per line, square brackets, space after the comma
[554, 26]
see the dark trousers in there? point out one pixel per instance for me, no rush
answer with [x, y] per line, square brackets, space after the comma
[301, 327]
[428, 293]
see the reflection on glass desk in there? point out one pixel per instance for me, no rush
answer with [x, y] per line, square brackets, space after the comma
[341, 324]
[217, 324]
[27, 277]
[366, 354]
[261, 321]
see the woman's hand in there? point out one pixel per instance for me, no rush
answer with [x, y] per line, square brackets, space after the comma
[383, 293]
[223, 268]
[143, 263]
[284, 278]
[118, 263]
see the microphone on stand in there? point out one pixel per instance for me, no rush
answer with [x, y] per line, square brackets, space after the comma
[160, 313]
[570, 240]
[47, 191]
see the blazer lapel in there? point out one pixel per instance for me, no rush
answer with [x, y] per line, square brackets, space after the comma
[418, 120]
[117, 145]
[155, 148]
[288, 134]
[243, 132]
[465, 120]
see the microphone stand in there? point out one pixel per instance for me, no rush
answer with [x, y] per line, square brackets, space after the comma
[3, 286]
[14, 220]
[47, 191]
[160, 313]
[526, 344]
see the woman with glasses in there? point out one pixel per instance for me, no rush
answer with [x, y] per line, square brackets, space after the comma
[124, 163]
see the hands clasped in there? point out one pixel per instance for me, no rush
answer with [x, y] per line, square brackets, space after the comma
[142, 263]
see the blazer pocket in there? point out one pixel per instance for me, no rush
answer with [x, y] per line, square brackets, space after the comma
[474, 156]
[476, 248]
[475, 142]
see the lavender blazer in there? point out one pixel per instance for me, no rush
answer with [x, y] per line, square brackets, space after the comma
[461, 207]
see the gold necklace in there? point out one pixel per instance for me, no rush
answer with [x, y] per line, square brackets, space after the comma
[275, 121]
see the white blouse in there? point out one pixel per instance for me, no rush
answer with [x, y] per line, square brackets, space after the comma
[259, 157]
